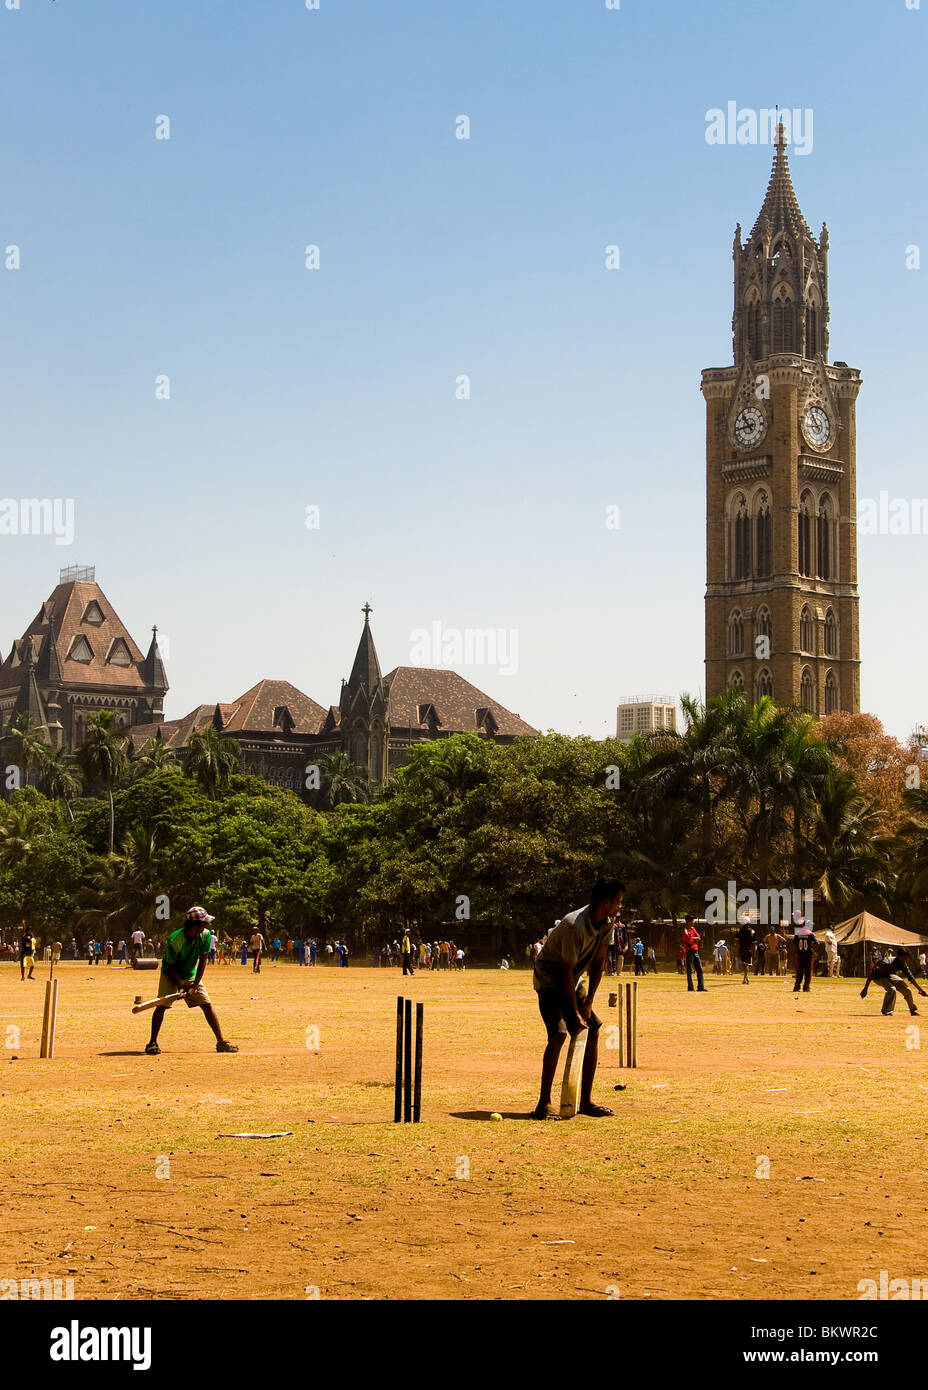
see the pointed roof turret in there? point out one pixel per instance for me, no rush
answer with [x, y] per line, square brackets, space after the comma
[49, 665]
[153, 667]
[781, 211]
[781, 277]
[365, 673]
[28, 698]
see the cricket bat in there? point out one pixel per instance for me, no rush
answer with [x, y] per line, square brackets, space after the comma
[570, 1087]
[154, 1003]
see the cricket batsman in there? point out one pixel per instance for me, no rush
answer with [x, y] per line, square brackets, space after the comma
[182, 966]
[576, 947]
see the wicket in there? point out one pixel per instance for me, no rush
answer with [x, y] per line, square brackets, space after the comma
[47, 1048]
[407, 1098]
[628, 1024]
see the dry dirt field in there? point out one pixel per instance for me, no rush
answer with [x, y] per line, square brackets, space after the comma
[663, 1201]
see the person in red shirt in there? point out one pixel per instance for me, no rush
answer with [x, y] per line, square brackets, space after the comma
[691, 947]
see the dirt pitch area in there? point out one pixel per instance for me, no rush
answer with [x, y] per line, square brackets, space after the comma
[663, 1201]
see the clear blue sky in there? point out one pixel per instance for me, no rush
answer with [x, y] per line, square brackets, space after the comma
[439, 257]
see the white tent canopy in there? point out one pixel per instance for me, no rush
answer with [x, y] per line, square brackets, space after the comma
[866, 929]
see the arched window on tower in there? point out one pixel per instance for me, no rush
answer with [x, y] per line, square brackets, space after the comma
[752, 340]
[763, 686]
[805, 534]
[736, 681]
[742, 539]
[831, 633]
[763, 634]
[813, 323]
[807, 691]
[358, 748]
[764, 539]
[832, 698]
[823, 529]
[736, 633]
[806, 630]
[783, 322]
[377, 753]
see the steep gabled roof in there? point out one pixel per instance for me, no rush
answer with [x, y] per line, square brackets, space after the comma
[61, 619]
[174, 733]
[254, 711]
[459, 706]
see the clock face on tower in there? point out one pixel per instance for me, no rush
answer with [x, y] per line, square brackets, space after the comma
[750, 427]
[816, 427]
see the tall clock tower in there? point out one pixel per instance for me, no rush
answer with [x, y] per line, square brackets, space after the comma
[781, 488]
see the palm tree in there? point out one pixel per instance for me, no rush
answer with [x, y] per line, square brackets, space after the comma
[126, 886]
[850, 866]
[341, 783]
[779, 765]
[24, 743]
[153, 755]
[664, 857]
[811, 761]
[695, 765]
[212, 758]
[59, 779]
[447, 770]
[20, 825]
[102, 757]
[910, 848]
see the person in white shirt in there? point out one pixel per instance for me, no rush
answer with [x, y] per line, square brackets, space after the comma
[138, 943]
[831, 953]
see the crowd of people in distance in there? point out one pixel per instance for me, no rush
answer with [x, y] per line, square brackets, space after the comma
[302, 951]
[414, 954]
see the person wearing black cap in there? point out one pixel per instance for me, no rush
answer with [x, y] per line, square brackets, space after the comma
[804, 942]
[892, 973]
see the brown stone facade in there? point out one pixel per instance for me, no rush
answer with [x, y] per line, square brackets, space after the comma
[781, 488]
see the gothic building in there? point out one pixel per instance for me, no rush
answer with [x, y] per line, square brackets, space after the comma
[75, 659]
[781, 528]
[377, 720]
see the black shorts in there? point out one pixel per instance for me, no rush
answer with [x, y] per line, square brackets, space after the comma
[558, 1014]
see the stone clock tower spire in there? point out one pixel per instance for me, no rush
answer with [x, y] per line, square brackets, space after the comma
[781, 486]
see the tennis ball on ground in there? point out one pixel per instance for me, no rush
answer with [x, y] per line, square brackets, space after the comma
[496, 1115]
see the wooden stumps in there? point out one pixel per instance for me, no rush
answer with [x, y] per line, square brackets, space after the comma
[398, 1085]
[417, 1091]
[407, 1093]
[628, 1024]
[49, 1017]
